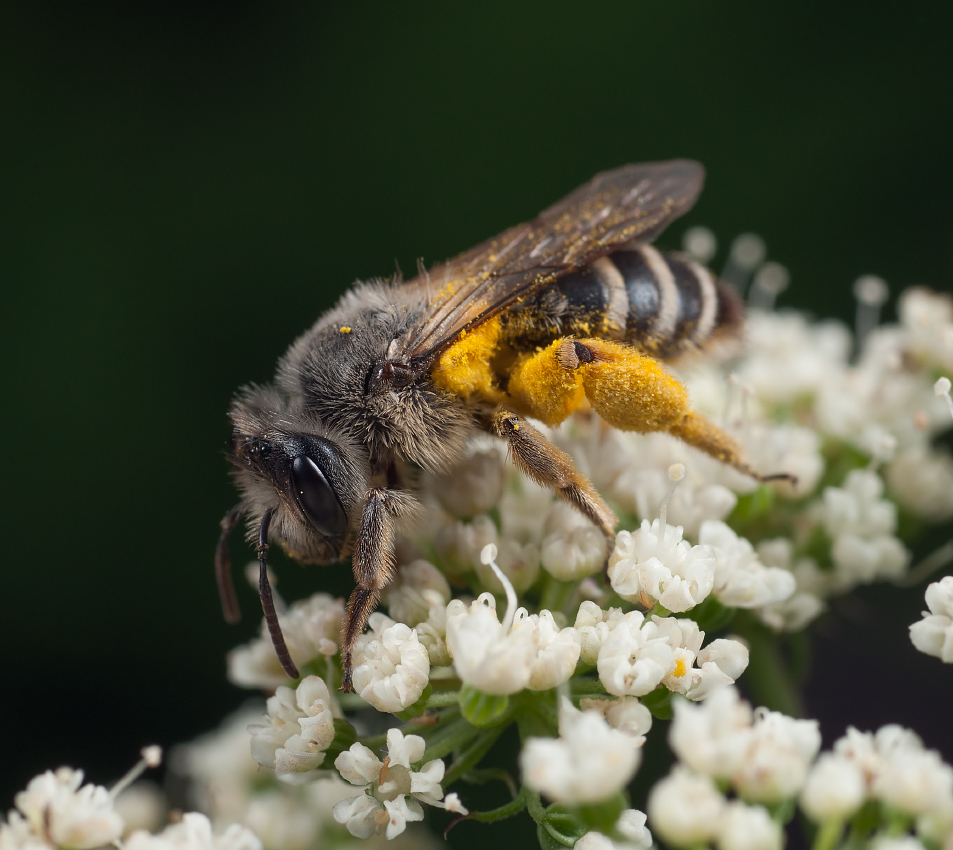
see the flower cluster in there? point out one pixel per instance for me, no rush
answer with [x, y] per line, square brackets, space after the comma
[509, 610]
[57, 811]
[511, 614]
[879, 785]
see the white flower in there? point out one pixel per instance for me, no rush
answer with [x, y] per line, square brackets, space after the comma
[555, 650]
[220, 767]
[299, 728]
[806, 604]
[417, 588]
[741, 580]
[786, 345]
[928, 319]
[920, 478]
[634, 658]
[933, 635]
[592, 628]
[766, 760]
[393, 789]
[59, 810]
[391, 665]
[485, 653]
[720, 664]
[632, 831]
[589, 762]
[712, 737]
[685, 808]
[744, 827]
[432, 633]
[780, 751]
[573, 547]
[861, 525]
[915, 781]
[834, 789]
[626, 714]
[311, 629]
[194, 832]
[656, 564]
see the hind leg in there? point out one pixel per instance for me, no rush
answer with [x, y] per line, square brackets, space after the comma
[628, 390]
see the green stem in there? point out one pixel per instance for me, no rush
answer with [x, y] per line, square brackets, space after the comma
[374, 742]
[507, 810]
[534, 805]
[471, 756]
[449, 738]
[442, 699]
[555, 594]
[828, 835]
[584, 687]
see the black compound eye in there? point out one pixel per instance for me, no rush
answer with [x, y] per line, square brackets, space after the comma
[316, 498]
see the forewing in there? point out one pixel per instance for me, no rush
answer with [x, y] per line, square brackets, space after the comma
[630, 204]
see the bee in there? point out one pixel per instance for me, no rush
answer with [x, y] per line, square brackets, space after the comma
[574, 307]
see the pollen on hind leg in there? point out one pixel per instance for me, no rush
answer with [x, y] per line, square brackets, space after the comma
[630, 391]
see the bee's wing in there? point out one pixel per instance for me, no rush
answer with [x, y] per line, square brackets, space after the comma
[632, 203]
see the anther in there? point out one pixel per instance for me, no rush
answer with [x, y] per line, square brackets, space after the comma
[746, 254]
[871, 293]
[151, 756]
[769, 282]
[700, 244]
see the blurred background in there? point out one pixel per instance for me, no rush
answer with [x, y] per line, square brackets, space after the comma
[185, 187]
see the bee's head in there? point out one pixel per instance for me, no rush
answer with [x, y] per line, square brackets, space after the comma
[311, 479]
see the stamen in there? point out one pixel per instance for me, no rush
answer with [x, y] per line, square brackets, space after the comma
[871, 292]
[151, 756]
[942, 390]
[747, 253]
[488, 557]
[769, 282]
[676, 472]
[700, 244]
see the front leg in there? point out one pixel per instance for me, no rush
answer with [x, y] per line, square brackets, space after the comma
[373, 564]
[547, 465]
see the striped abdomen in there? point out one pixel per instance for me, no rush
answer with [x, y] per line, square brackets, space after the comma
[663, 303]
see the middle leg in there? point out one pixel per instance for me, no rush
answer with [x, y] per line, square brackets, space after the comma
[551, 467]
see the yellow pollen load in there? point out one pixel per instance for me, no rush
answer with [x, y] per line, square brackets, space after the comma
[464, 368]
[345, 329]
[628, 390]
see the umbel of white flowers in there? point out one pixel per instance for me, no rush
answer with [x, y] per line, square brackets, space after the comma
[499, 621]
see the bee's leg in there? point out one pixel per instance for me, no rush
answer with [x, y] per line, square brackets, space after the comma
[373, 564]
[550, 467]
[633, 392]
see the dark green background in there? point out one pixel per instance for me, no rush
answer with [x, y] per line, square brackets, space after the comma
[183, 189]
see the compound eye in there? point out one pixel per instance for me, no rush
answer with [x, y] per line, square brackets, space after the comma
[316, 498]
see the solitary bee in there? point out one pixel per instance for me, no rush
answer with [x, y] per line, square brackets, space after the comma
[573, 307]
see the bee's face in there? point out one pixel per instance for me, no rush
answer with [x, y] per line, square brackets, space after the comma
[311, 482]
